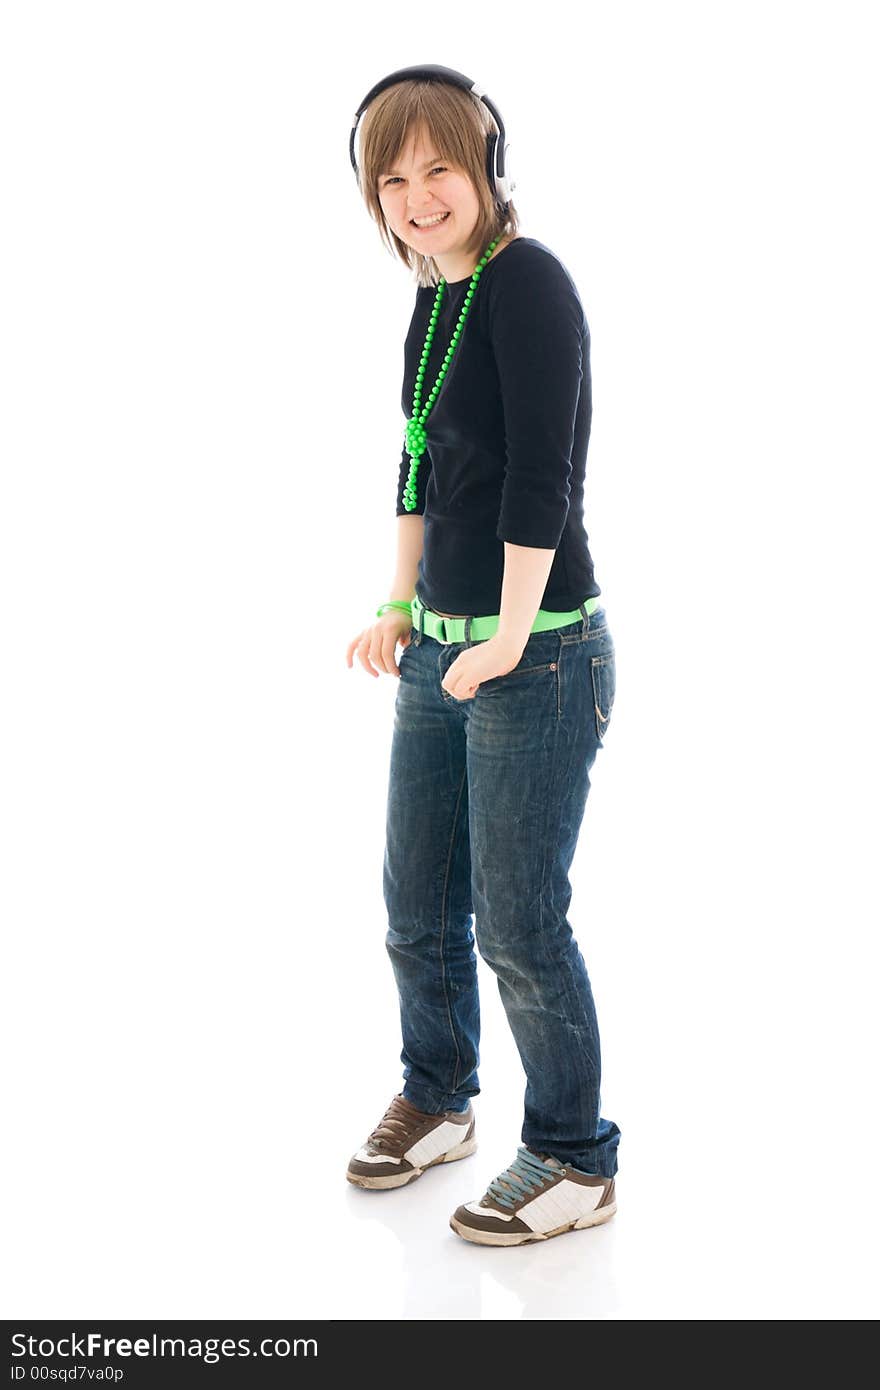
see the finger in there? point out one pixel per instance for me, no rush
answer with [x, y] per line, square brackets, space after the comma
[391, 665]
[451, 681]
[384, 657]
[458, 690]
[363, 653]
[377, 653]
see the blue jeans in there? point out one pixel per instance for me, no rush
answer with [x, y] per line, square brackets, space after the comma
[485, 802]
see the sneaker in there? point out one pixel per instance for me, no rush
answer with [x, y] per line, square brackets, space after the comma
[407, 1141]
[535, 1198]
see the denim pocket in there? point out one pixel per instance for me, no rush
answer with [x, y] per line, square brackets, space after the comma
[514, 677]
[603, 670]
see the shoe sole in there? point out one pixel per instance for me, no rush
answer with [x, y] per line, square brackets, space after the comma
[594, 1218]
[400, 1180]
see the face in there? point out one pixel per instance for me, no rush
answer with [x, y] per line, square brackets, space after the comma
[421, 184]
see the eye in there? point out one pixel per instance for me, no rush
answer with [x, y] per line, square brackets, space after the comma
[394, 177]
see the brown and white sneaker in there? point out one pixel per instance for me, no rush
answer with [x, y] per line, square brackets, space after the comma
[406, 1141]
[535, 1198]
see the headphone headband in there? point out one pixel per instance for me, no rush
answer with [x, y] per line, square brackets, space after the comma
[496, 144]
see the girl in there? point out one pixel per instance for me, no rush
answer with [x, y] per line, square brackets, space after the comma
[506, 674]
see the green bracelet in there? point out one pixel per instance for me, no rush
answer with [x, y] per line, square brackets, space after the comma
[394, 603]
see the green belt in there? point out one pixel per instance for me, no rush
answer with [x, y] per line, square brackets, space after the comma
[449, 630]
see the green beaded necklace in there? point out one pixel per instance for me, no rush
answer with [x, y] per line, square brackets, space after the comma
[416, 438]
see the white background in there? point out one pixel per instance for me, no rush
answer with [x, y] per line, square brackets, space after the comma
[201, 427]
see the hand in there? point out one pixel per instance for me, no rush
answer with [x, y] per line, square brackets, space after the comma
[474, 665]
[376, 643]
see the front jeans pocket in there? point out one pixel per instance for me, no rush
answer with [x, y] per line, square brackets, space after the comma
[603, 670]
[514, 677]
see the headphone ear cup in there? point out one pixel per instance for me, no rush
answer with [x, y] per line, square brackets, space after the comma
[491, 142]
[506, 184]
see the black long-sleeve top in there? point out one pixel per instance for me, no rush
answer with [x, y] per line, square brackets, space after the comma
[507, 435]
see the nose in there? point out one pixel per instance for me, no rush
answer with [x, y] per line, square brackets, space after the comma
[422, 203]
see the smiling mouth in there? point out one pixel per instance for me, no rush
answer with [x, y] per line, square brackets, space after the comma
[431, 225]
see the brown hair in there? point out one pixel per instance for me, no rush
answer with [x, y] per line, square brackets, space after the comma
[457, 124]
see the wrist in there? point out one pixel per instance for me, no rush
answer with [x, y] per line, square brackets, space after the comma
[510, 641]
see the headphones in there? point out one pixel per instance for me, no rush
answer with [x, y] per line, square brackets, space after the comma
[496, 145]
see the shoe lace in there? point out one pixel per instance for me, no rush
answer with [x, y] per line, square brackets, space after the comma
[394, 1126]
[527, 1174]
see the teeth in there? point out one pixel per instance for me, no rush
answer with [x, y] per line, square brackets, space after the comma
[429, 221]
